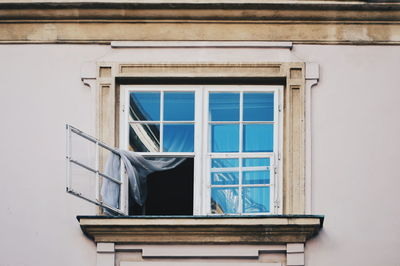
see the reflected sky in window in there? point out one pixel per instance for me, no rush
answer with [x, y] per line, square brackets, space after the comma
[225, 138]
[178, 138]
[223, 163]
[256, 199]
[224, 106]
[256, 177]
[258, 138]
[145, 106]
[179, 106]
[258, 106]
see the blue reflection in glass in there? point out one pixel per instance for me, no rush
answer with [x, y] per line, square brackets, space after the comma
[225, 138]
[256, 162]
[179, 106]
[224, 106]
[224, 200]
[145, 106]
[225, 178]
[256, 177]
[256, 199]
[178, 138]
[258, 138]
[258, 106]
[223, 163]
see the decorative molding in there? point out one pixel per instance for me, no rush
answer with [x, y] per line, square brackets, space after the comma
[302, 10]
[293, 177]
[295, 254]
[300, 22]
[200, 44]
[105, 32]
[201, 70]
[202, 230]
[311, 79]
[190, 251]
[105, 254]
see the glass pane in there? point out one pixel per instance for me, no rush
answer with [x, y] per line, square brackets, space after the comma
[256, 177]
[179, 106]
[144, 106]
[179, 138]
[258, 107]
[224, 106]
[258, 138]
[225, 138]
[224, 163]
[225, 178]
[256, 162]
[144, 137]
[255, 199]
[224, 200]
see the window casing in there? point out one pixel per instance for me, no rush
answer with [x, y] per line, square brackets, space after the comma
[244, 166]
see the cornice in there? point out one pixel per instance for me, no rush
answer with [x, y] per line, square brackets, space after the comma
[262, 10]
[202, 230]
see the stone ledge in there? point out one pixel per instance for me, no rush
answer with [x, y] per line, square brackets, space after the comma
[273, 229]
[322, 11]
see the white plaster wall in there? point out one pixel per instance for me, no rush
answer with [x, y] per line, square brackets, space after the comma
[355, 166]
[40, 90]
[355, 130]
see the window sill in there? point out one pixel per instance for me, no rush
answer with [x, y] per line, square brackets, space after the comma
[202, 229]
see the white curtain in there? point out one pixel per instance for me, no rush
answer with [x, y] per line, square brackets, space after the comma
[137, 168]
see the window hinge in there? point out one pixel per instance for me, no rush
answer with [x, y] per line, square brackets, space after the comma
[279, 156]
[123, 108]
[279, 108]
[276, 204]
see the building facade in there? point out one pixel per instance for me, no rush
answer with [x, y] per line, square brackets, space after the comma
[283, 115]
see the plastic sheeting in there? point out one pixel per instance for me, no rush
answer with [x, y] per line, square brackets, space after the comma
[137, 168]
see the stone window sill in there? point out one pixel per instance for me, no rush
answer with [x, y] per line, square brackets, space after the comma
[202, 229]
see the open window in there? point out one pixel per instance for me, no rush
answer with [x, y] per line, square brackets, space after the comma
[229, 135]
[228, 139]
[86, 174]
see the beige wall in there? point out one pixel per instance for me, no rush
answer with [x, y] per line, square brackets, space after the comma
[40, 92]
[354, 127]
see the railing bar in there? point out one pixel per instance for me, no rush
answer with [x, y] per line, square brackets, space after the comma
[110, 178]
[94, 171]
[92, 139]
[95, 202]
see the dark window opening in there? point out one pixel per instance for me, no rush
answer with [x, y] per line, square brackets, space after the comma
[169, 192]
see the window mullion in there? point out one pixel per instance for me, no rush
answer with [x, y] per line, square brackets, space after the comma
[162, 121]
[198, 182]
[240, 151]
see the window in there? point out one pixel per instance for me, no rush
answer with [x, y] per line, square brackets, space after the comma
[230, 137]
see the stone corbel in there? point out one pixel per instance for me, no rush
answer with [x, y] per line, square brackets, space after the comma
[88, 74]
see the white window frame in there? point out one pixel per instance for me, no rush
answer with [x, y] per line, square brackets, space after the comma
[100, 175]
[201, 155]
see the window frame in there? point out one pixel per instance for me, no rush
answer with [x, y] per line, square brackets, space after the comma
[201, 154]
